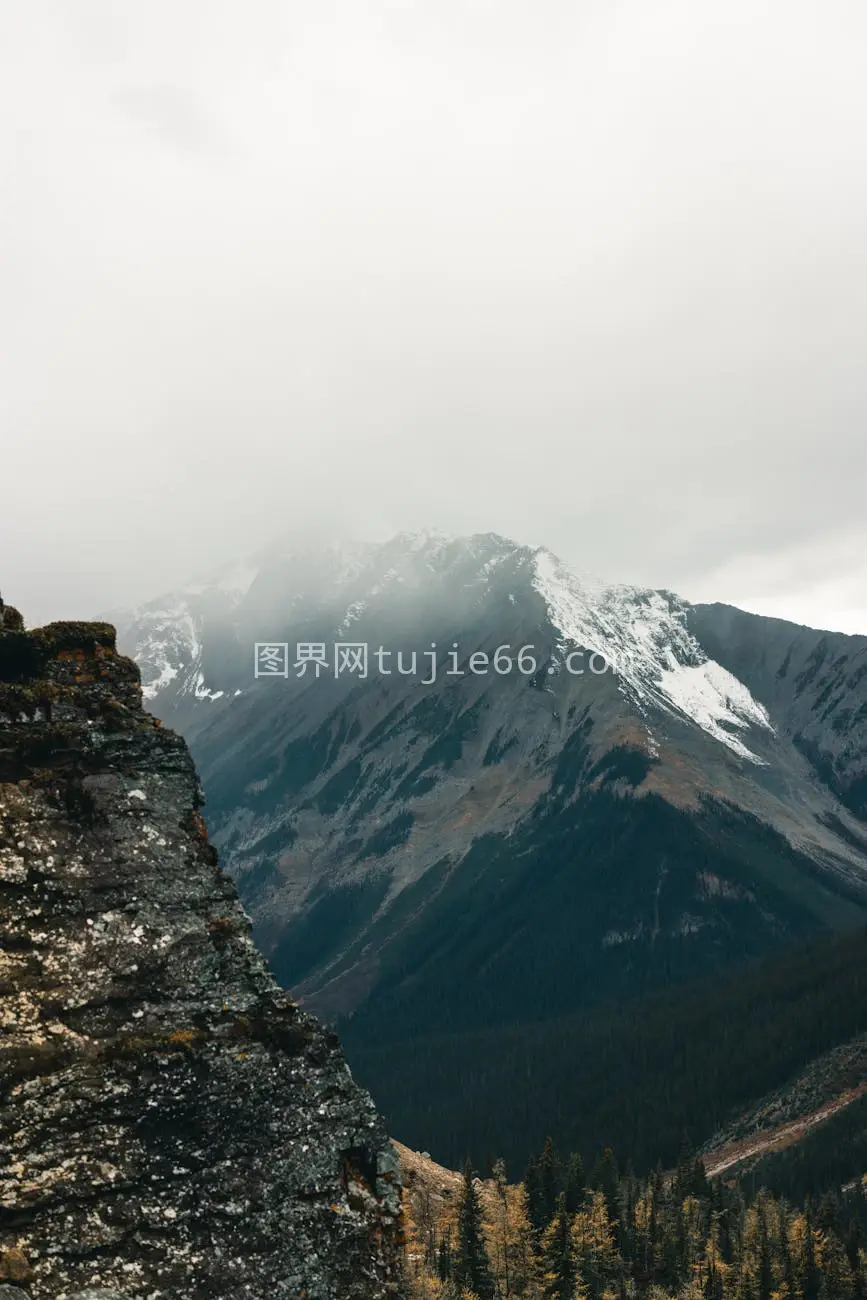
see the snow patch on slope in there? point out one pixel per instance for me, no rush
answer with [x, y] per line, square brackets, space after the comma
[164, 636]
[354, 612]
[201, 691]
[642, 637]
[715, 699]
[166, 641]
[167, 673]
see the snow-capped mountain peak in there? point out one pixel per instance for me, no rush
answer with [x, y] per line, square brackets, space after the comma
[641, 634]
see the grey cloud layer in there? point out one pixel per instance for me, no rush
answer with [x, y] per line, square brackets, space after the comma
[590, 275]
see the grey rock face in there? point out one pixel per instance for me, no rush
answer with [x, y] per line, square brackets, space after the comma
[171, 1124]
[96, 1293]
[814, 683]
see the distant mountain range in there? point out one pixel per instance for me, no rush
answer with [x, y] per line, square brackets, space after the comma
[605, 792]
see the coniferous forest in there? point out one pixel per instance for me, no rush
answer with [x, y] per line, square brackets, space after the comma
[566, 1233]
[642, 1075]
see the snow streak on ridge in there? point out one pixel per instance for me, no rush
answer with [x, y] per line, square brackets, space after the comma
[641, 634]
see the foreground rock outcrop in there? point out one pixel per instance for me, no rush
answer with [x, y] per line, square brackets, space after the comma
[171, 1125]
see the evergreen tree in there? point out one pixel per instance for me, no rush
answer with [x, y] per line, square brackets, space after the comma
[558, 1264]
[765, 1279]
[787, 1272]
[505, 1246]
[595, 1246]
[444, 1257]
[471, 1268]
[549, 1181]
[532, 1187]
[524, 1266]
[715, 1245]
[811, 1273]
[605, 1179]
[652, 1251]
[684, 1171]
[575, 1188]
[626, 1213]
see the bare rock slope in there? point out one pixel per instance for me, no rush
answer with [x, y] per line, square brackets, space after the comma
[171, 1125]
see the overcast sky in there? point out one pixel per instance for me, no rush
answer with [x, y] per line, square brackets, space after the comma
[593, 275]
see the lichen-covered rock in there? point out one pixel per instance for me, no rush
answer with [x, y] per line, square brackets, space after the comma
[94, 1293]
[171, 1124]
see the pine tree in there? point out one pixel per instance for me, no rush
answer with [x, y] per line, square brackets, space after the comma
[505, 1237]
[524, 1268]
[549, 1181]
[605, 1178]
[575, 1187]
[787, 1272]
[683, 1173]
[721, 1244]
[626, 1213]
[471, 1268]
[811, 1273]
[558, 1263]
[535, 1210]
[765, 1279]
[652, 1239]
[595, 1247]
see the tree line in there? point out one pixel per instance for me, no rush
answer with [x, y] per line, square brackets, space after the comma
[567, 1234]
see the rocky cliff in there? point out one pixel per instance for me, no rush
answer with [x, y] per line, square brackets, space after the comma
[171, 1125]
